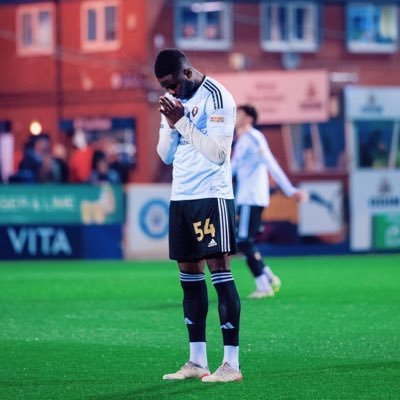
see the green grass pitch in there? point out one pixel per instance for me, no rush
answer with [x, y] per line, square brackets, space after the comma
[110, 330]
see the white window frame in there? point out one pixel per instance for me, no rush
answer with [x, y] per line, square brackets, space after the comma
[100, 44]
[292, 44]
[355, 46]
[35, 48]
[202, 43]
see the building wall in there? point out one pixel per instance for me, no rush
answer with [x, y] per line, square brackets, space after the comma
[120, 83]
[109, 83]
[21, 75]
[76, 83]
[27, 83]
[332, 56]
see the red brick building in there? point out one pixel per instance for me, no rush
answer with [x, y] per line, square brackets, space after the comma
[78, 65]
[84, 64]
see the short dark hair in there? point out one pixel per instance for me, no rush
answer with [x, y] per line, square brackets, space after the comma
[170, 61]
[249, 110]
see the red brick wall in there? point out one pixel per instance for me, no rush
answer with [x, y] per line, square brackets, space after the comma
[28, 84]
[23, 75]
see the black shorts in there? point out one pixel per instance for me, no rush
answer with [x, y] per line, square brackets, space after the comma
[249, 222]
[201, 228]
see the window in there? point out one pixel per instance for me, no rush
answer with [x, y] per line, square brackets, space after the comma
[289, 26]
[203, 25]
[377, 144]
[35, 29]
[317, 147]
[100, 26]
[371, 28]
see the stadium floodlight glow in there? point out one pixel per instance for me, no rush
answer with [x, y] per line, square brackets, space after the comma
[35, 128]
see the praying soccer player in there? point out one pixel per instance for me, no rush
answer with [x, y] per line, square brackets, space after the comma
[197, 124]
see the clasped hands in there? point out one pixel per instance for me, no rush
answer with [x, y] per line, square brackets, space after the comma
[173, 110]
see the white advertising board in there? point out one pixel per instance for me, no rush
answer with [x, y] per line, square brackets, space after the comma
[146, 230]
[374, 194]
[372, 103]
[323, 213]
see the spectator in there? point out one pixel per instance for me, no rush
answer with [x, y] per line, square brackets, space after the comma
[30, 168]
[80, 163]
[101, 171]
[60, 159]
[48, 171]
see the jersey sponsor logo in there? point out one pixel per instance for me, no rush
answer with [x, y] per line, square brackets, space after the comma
[217, 118]
[212, 243]
[195, 110]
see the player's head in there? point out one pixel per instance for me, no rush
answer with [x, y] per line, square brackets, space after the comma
[175, 73]
[246, 114]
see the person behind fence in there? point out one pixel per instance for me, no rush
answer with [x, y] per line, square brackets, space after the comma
[101, 171]
[37, 164]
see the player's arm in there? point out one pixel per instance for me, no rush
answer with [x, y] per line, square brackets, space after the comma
[281, 178]
[216, 148]
[216, 143]
[167, 142]
[277, 172]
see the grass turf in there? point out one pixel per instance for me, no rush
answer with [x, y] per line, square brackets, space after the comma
[109, 330]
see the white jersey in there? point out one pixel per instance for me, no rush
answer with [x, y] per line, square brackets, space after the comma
[206, 128]
[252, 160]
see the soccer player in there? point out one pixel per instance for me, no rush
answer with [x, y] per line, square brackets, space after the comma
[251, 162]
[197, 125]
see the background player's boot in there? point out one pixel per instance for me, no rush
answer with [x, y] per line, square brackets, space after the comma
[276, 283]
[259, 294]
[274, 280]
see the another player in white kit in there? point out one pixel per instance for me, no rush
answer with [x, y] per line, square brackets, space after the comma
[197, 124]
[252, 161]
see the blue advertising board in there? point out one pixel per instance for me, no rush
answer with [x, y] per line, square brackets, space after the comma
[60, 242]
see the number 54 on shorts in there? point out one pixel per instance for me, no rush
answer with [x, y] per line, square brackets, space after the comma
[203, 229]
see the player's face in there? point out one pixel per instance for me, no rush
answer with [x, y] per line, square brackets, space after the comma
[180, 85]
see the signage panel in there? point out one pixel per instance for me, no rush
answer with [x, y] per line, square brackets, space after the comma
[61, 204]
[374, 200]
[386, 231]
[281, 96]
[372, 103]
[323, 213]
[147, 221]
[40, 241]
[60, 242]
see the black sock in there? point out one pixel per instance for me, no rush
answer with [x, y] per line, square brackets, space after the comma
[249, 250]
[195, 305]
[256, 266]
[228, 306]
